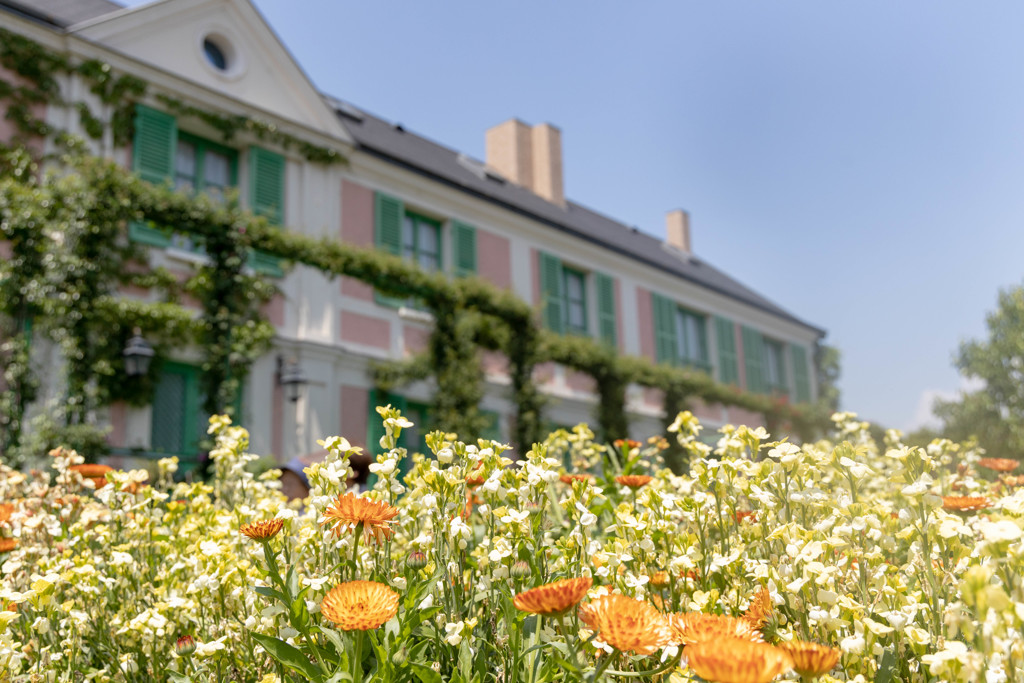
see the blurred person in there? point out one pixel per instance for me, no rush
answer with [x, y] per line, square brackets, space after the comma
[295, 483]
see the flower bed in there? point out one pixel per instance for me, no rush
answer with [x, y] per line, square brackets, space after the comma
[843, 559]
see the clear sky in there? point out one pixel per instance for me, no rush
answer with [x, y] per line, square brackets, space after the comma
[859, 163]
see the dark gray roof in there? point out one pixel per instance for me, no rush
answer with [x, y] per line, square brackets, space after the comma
[394, 143]
[61, 13]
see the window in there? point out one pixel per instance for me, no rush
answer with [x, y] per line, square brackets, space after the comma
[575, 305]
[764, 360]
[421, 240]
[202, 167]
[774, 367]
[566, 294]
[161, 153]
[691, 341]
[680, 334]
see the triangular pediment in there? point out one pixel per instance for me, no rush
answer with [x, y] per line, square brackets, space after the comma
[257, 68]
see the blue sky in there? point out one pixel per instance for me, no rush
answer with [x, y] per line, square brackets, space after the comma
[858, 163]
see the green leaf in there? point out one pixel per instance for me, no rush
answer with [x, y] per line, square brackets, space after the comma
[887, 667]
[290, 656]
[268, 592]
[179, 678]
[425, 673]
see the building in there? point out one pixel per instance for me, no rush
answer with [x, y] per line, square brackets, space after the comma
[505, 219]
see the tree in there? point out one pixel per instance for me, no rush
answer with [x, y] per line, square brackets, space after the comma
[993, 414]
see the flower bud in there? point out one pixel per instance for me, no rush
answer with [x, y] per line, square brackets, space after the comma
[416, 560]
[520, 570]
[400, 657]
[185, 646]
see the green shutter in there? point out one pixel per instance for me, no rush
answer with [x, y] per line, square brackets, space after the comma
[801, 376]
[388, 235]
[552, 293]
[177, 423]
[266, 184]
[665, 342]
[153, 151]
[492, 430]
[155, 145]
[753, 357]
[464, 246]
[728, 361]
[606, 326]
[265, 263]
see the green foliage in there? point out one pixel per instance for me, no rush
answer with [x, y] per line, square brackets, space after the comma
[994, 413]
[86, 259]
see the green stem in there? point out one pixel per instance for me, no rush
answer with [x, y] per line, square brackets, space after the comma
[357, 659]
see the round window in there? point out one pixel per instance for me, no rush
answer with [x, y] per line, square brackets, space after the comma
[215, 55]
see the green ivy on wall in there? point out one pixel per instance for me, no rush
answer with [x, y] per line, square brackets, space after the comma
[68, 236]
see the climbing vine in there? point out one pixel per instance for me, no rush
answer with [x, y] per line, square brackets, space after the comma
[68, 237]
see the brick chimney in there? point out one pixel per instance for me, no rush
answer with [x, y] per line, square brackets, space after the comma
[677, 230]
[528, 156]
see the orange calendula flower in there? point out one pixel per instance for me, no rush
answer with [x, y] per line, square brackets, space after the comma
[570, 478]
[964, 503]
[626, 624]
[349, 511]
[6, 510]
[659, 579]
[999, 464]
[730, 660]
[8, 544]
[760, 609]
[359, 605]
[690, 628]
[92, 471]
[553, 598]
[811, 659]
[627, 443]
[634, 481]
[263, 530]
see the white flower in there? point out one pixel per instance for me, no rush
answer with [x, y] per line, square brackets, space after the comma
[996, 532]
[209, 548]
[427, 602]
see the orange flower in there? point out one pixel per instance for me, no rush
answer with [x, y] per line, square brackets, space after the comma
[8, 544]
[553, 598]
[964, 503]
[628, 443]
[626, 624]
[6, 510]
[741, 515]
[811, 659]
[263, 530]
[92, 471]
[760, 609]
[98, 482]
[634, 481]
[690, 628]
[570, 478]
[350, 510]
[659, 578]
[731, 660]
[999, 464]
[359, 605]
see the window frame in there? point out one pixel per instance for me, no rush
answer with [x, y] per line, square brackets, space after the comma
[202, 146]
[420, 221]
[569, 272]
[773, 358]
[683, 354]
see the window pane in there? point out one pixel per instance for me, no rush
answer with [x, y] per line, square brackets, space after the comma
[216, 174]
[409, 238]
[185, 166]
[575, 301]
[429, 252]
[695, 338]
[771, 369]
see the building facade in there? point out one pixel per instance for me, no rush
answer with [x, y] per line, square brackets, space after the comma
[504, 219]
